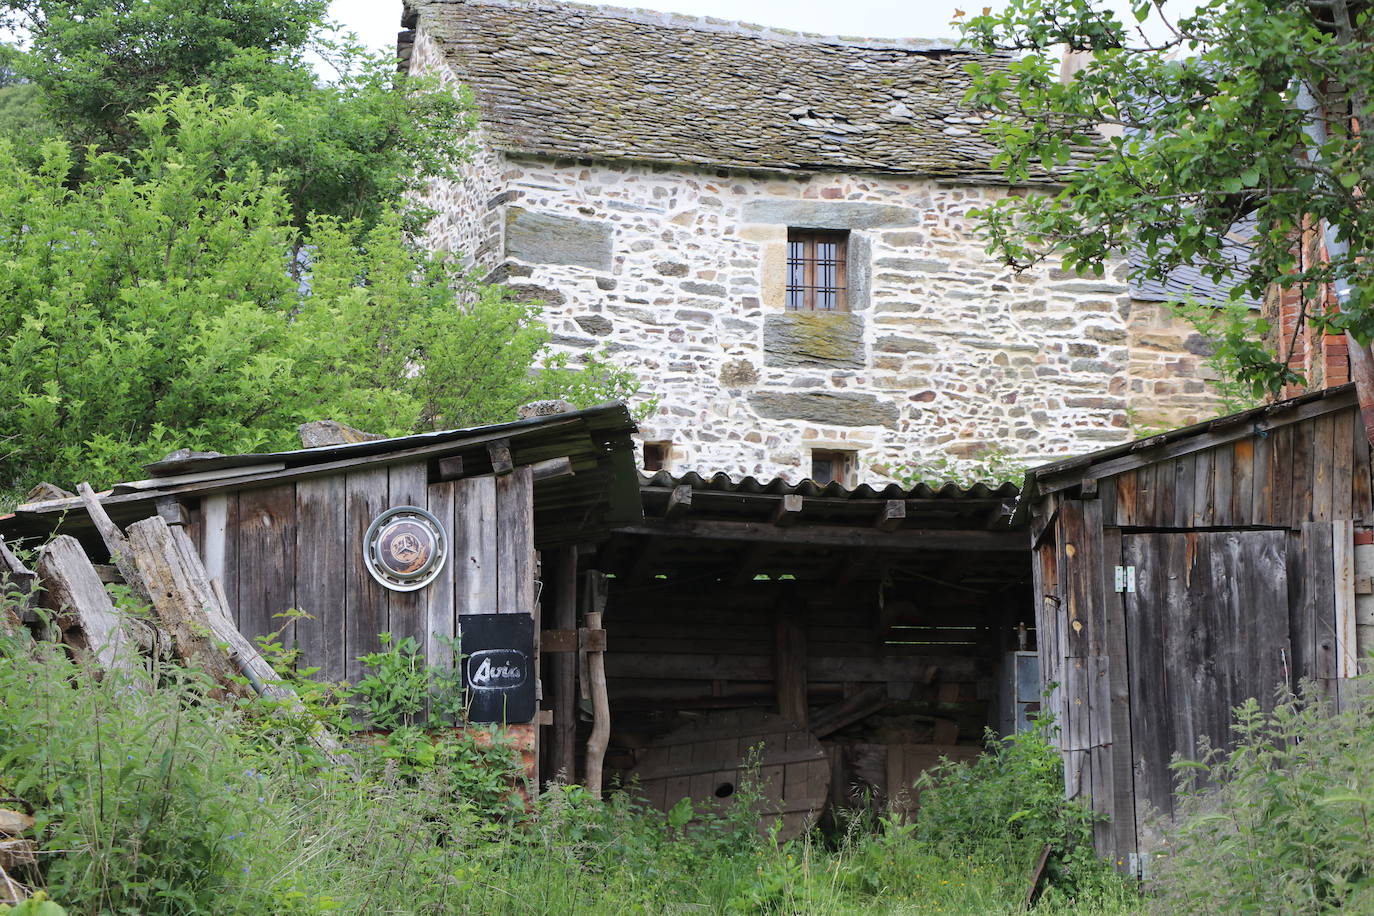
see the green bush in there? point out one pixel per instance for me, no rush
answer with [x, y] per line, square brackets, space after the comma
[1284, 822]
[1010, 802]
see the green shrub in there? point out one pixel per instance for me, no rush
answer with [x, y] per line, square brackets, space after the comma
[1009, 802]
[1284, 822]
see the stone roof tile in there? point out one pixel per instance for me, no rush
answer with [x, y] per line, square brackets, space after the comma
[565, 79]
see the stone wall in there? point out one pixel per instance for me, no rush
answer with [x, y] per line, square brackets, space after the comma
[945, 359]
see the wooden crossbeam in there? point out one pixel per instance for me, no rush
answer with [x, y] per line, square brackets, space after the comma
[837, 536]
[679, 502]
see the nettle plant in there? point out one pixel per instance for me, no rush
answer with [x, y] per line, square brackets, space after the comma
[400, 686]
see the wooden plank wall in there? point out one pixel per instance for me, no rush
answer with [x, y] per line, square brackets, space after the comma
[299, 545]
[1291, 475]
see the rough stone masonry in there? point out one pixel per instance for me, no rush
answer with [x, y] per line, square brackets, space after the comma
[638, 173]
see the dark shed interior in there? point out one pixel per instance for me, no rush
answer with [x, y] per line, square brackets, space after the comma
[861, 632]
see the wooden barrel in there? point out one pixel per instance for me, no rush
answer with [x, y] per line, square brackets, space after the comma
[706, 762]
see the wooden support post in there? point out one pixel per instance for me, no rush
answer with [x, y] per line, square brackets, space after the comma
[789, 658]
[565, 670]
[596, 683]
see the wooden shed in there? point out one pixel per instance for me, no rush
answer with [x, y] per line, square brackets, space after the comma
[1181, 574]
[411, 536]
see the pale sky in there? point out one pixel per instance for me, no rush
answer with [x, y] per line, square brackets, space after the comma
[377, 21]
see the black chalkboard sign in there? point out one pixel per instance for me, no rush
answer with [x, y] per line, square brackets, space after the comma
[498, 667]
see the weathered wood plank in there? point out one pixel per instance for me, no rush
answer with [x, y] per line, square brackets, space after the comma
[267, 561]
[1126, 485]
[407, 486]
[1342, 468]
[1343, 588]
[833, 536]
[365, 601]
[848, 711]
[1153, 556]
[1323, 439]
[474, 549]
[1281, 475]
[1223, 461]
[515, 542]
[322, 560]
[1076, 559]
[760, 668]
[1242, 482]
[439, 609]
[1204, 493]
[1122, 841]
[1362, 507]
[1145, 497]
[87, 617]
[1262, 487]
[1302, 482]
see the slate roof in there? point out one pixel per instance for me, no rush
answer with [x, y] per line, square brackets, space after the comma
[605, 83]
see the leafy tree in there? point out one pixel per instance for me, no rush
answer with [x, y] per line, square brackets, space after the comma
[152, 306]
[1242, 115]
[350, 148]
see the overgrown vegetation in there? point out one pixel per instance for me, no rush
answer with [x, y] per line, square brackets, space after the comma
[203, 244]
[164, 802]
[1284, 822]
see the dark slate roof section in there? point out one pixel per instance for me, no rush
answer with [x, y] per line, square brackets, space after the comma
[603, 83]
[1189, 280]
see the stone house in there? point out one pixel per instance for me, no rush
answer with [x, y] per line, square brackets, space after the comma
[776, 231]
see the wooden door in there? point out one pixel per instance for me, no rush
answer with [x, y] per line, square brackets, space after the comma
[1207, 627]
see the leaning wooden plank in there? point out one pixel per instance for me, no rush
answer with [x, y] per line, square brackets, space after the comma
[115, 543]
[88, 618]
[180, 595]
[846, 712]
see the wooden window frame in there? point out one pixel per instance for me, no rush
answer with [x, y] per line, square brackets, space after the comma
[816, 291]
[843, 464]
[661, 450]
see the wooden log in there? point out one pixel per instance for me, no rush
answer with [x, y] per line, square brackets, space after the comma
[89, 620]
[601, 711]
[16, 580]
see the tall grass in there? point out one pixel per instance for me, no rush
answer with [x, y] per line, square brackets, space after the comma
[164, 802]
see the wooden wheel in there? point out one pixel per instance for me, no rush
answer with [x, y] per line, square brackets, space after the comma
[704, 761]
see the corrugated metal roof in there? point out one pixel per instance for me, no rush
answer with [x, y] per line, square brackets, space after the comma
[724, 483]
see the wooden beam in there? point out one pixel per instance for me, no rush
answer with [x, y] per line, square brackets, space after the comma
[679, 502]
[789, 657]
[501, 462]
[953, 539]
[789, 509]
[552, 469]
[450, 468]
[88, 618]
[848, 711]
[891, 515]
[697, 667]
[172, 511]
